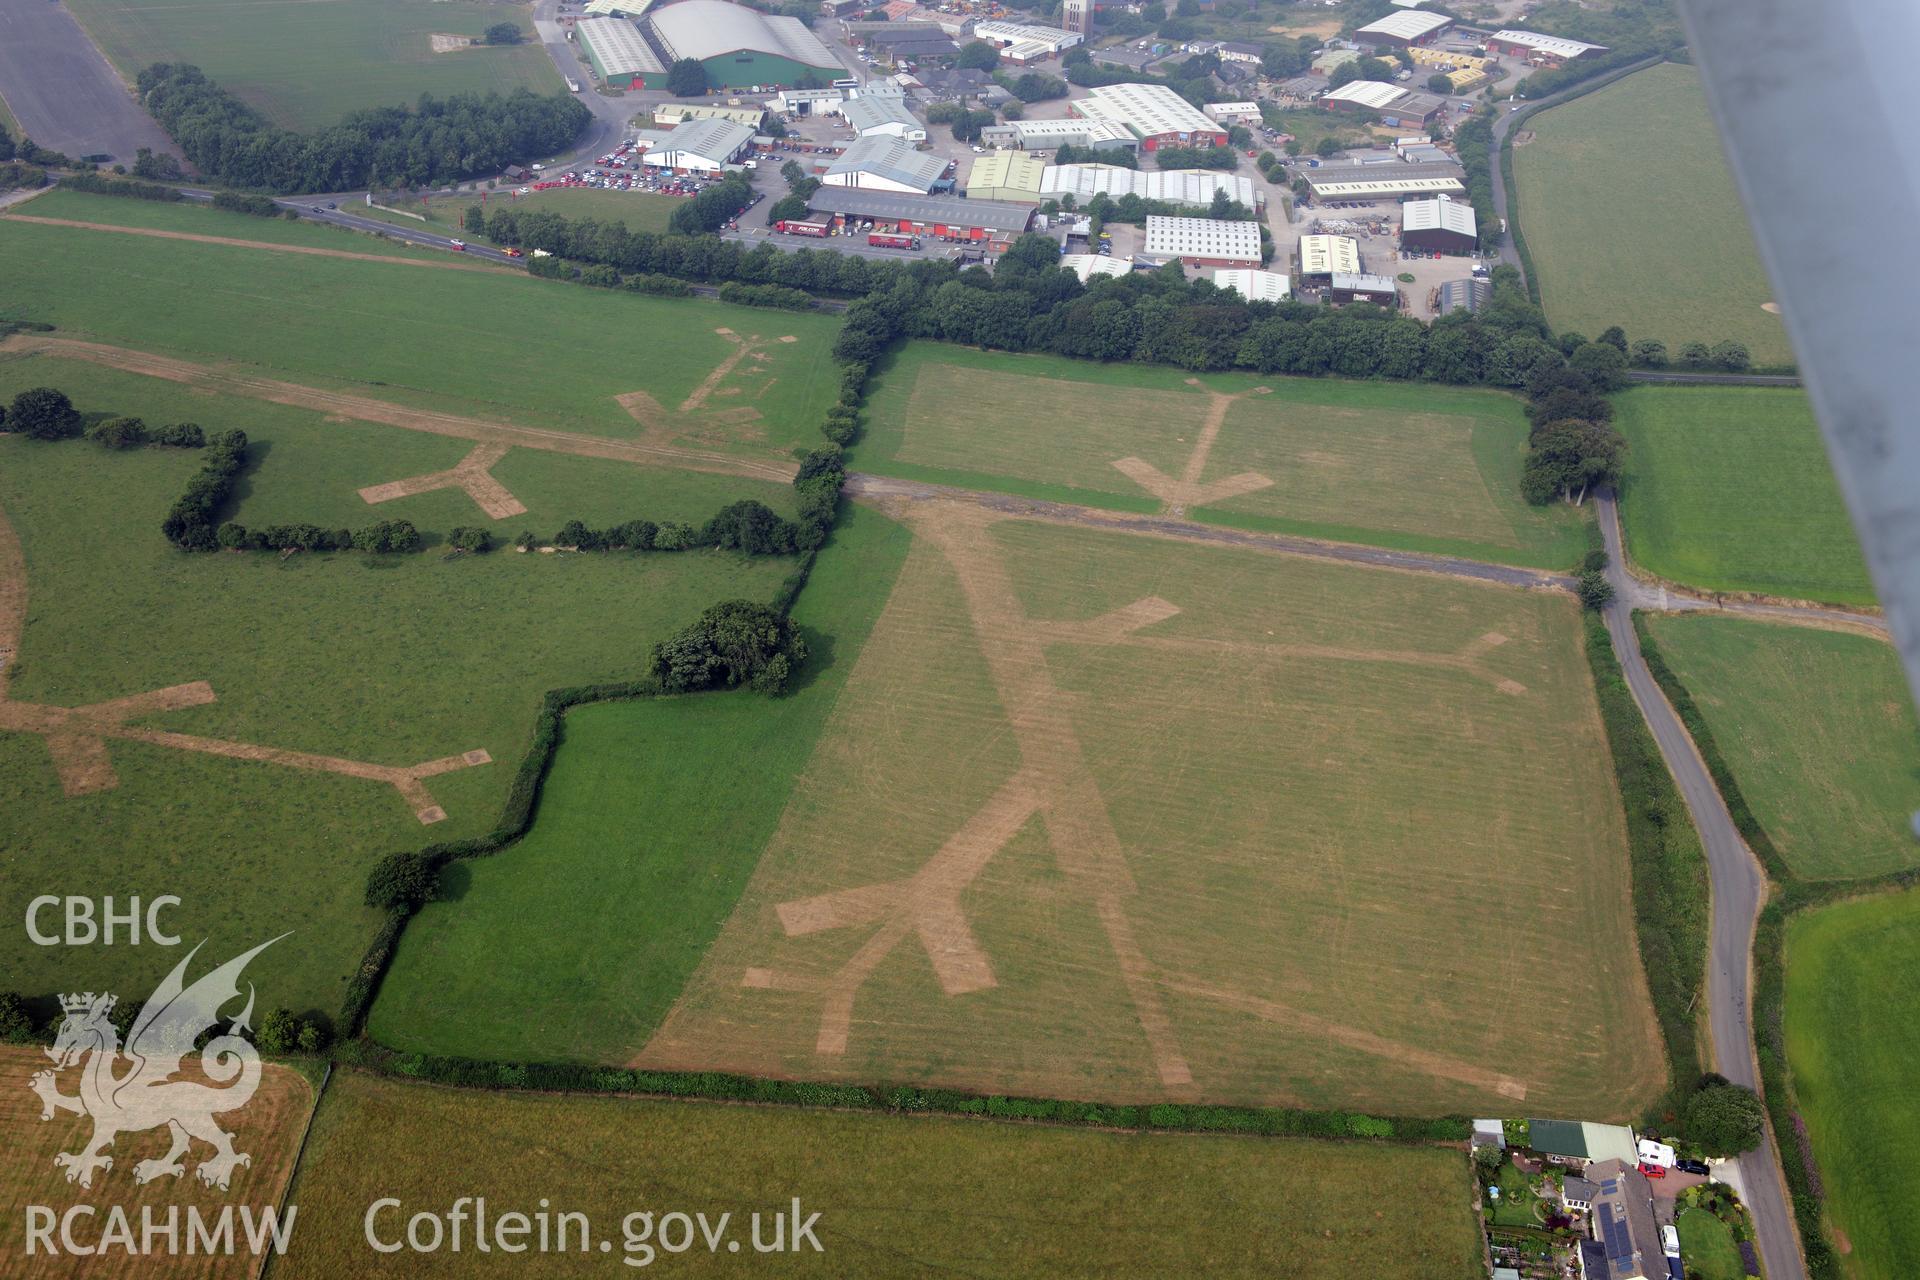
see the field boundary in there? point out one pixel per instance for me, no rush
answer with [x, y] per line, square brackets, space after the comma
[232, 242]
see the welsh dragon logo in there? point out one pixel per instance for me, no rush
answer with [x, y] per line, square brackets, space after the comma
[145, 1095]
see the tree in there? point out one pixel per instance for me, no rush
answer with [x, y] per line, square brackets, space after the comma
[977, 56]
[1650, 353]
[474, 220]
[388, 536]
[470, 538]
[687, 78]
[1373, 69]
[1327, 146]
[1568, 458]
[734, 643]
[1440, 82]
[1723, 1119]
[1596, 592]
[119, 433]
[43, 413]
[279, 1032]
[401, 882]
[1604, 365]
[968, 124]
[1694, 354]
[159, 167]
[1614, 336]
[503, 33]
[1731, 355]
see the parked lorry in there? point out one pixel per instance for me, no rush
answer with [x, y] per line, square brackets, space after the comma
[790, 227]
[893, 240]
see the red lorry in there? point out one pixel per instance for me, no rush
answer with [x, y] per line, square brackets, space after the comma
[793, 228]
[892, 240]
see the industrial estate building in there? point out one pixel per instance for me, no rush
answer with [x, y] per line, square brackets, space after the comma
[740, 47]
[1255, 286]
[1152, 113]
[1088, 265]
[882, 112]
[1180, 186]
[1441, 224]
[1203, 242]
[680, 112]
[1322, 256]
[1021, 43]
[1007, 175]
[1385, 181]
[1031, 135]
[704, 146]
[987, 222]
[1230, 113]
[1541, 51]
[1463, 295]
[1396, 106]
[617, 8]
[881, 163]
[619, 54]
[1364, 288]
[1410, 26]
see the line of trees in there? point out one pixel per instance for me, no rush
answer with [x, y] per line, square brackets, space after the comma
[190, 524]
[433, 141]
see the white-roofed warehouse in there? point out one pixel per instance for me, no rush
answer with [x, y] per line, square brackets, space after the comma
[1179, 186]
[1441, 224]
[741, 47]
[704, 146]
[881, 163]
[1203, 242]
[1254, 286]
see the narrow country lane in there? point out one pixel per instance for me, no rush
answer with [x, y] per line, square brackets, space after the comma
[1739, 890]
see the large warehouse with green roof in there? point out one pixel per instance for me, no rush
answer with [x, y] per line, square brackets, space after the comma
[742, 47]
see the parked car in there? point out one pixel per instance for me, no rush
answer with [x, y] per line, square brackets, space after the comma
[1652, 1170]
[1692, 1166]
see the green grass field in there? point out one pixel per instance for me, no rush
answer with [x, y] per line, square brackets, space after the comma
[192, 218]
[535, 352]
[897, 1196]
[1423, 468]
[391, 661]
[1818, 728]
[306, 63]
[1707, 1245]
[1102, 780]
[1728, 489]
[664, 805]
[1643, 230]
[1853, 1046]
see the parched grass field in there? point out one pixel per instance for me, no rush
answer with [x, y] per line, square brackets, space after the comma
[387, 660]
[1651, 237]
[1420, 467]
[664, 806]
[1729, 489]
[192, 218]
[638, 210]
[1853, 1047]
[1818, 728]
[268, 1128]
[897, 1196]
[307, 63]
[533, 352]
[1112, 817]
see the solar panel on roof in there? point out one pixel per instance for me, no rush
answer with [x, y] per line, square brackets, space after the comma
[1619, 1243]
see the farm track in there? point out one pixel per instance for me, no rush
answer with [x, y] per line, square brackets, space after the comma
[233, 381]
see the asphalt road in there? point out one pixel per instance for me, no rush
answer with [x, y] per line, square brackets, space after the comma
[62, 89]
[1739, 890]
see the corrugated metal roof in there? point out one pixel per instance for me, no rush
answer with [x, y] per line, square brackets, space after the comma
[1180, 186]
[1411, 24]
[890, 160]
[1553, 45]
[1008, 169]
[1368, 93]
[1438, 214]
[1254, 286]
[1201, 238]
[1323, 255]
[1386, 179]
[617, 8]
[1364, 283]
[880, 111]
[716, 140]
[617, 47]
[992, 215]
[1086, 265]
[709, 28]
[1147, 109]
